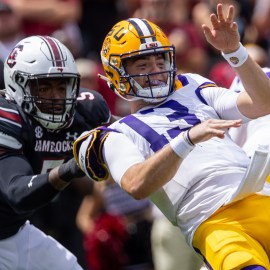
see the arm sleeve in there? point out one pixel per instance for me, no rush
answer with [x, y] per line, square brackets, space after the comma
[22, 190]
[119, 154]
[224, 101]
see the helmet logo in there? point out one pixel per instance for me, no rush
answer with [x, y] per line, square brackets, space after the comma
[60, 69]
[11, 61]
[38, 132]
[106, 46]
[151, 45]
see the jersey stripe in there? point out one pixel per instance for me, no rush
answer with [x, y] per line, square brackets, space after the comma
[198, 90]
[155, 140]
[10, 116]
[183, 80]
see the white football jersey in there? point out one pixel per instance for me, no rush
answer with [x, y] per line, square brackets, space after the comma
[209, 176]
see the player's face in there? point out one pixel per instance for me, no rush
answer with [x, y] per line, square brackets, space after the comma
[50, 94]
[146, 65]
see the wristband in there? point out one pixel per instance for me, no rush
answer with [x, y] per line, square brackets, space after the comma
[181, 145]
[237, 58]
[69, 170]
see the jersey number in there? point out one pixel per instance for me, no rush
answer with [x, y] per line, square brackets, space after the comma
[156, 140]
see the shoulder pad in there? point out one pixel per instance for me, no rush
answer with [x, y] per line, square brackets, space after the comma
[93, 108]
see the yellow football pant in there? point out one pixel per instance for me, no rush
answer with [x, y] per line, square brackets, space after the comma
[237, 235]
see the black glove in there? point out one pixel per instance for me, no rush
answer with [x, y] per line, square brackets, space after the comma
[70, 170]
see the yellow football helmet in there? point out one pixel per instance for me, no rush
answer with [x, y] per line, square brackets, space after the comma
[132, 38]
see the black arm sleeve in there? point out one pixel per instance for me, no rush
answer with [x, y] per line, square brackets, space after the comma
[23, 191]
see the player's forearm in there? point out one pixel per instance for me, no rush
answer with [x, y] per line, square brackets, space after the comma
[23, 190]
[61, 176]
[56, 181]
[144, 178]
[27, 193]
[30, 192]
[257, 85]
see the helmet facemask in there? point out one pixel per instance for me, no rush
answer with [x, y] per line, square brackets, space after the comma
[52, 112]
[152, 90]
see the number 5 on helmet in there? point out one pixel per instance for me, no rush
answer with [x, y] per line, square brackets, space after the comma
[87, 151]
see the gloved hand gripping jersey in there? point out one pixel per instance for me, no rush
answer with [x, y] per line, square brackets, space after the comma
[87, 151]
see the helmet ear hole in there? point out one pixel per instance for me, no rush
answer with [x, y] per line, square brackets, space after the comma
[19, 78]
[26, 106]
[112, 87]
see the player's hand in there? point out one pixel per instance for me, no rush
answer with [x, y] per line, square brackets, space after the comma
[211, 128]
[224, 35]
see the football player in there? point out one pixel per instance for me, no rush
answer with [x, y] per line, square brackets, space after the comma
[175, 149]
[42, 111]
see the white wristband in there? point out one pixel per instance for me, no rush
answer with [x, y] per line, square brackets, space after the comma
[237, 58]
[181, 146]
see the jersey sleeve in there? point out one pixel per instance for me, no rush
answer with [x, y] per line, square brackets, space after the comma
[11, 124]
[93, 107]
[224, 101]
[128, 154]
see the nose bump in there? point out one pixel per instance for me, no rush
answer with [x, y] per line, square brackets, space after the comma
[57, 92]
[155, 67]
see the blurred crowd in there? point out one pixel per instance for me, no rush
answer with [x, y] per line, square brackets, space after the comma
[82, 25]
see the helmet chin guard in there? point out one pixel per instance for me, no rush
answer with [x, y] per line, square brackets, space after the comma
[33, 59]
